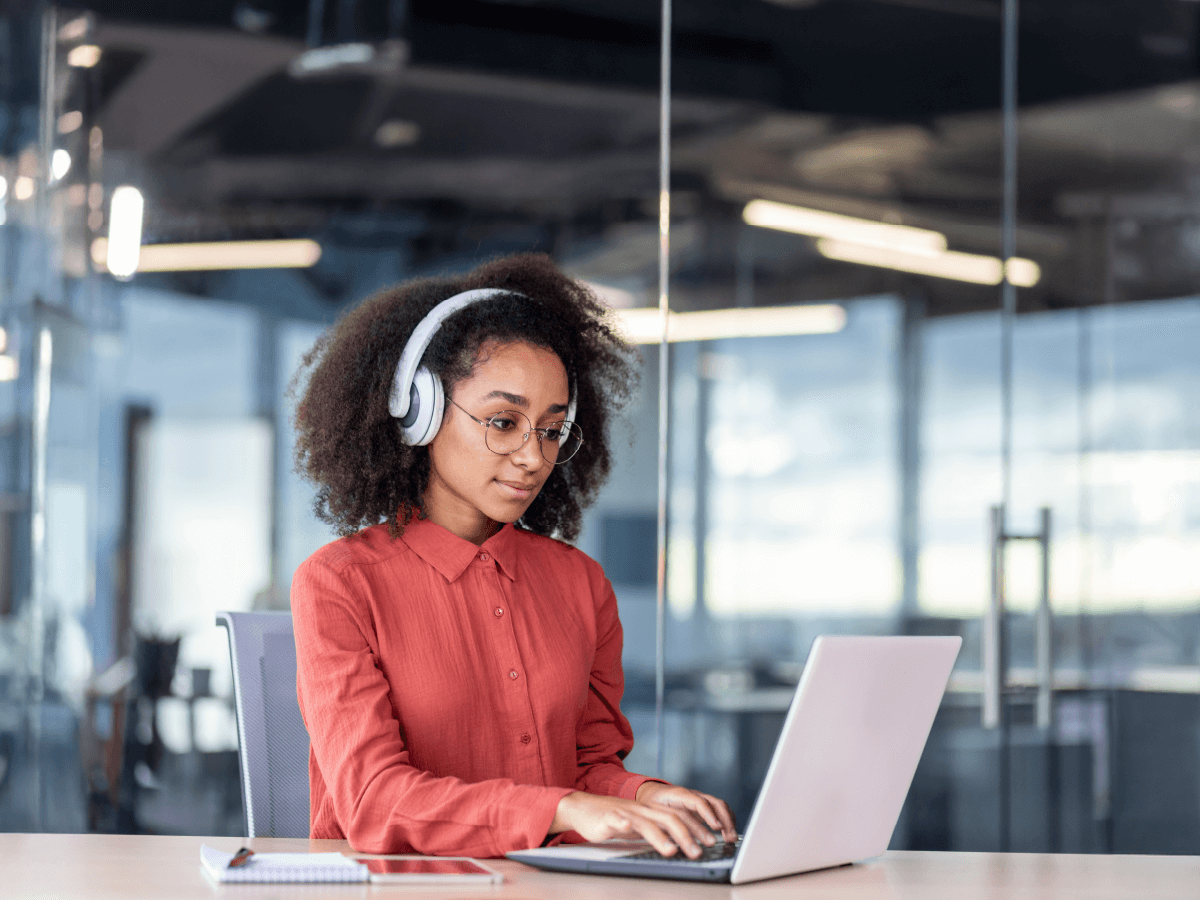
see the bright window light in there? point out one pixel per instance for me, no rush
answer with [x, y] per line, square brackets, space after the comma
[8, 368]
[3, 340]
[124, 231]
[3, 187]
[971, 267]
[821, 224]
[84, 56]
[644, 325]
[196, 257]
[60, 164]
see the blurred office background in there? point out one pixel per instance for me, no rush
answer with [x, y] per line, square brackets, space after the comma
[838, 472]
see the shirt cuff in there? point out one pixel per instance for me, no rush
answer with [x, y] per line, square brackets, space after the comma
[630, 788]
[539, 814]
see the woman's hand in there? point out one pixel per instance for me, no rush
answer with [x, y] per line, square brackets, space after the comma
[712, 810]
[678, 823]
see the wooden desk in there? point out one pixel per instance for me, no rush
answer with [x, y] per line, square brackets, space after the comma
[121, 867]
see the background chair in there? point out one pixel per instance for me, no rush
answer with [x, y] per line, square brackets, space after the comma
[272, 740]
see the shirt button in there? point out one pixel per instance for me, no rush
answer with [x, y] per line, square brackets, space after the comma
[525, 739]
[512, 674]
[483, 557]
[499, 611]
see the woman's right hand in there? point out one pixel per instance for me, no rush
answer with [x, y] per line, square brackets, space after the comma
[597, 818]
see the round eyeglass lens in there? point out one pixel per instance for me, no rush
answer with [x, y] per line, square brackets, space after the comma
[560, 451]
[508, 431]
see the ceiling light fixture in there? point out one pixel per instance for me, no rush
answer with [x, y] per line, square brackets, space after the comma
[8, 368]
[70, 121]
[84, 56]
[222, 255]
[397, 133]
[60, 164]
[74, 29]
[23, 187]
[123, 247]
[644, 325]
[821, 224]
[971, 267]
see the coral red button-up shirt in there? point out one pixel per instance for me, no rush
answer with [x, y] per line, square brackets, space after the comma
[455, 693]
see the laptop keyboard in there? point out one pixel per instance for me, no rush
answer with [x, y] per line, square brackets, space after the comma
[714, 853]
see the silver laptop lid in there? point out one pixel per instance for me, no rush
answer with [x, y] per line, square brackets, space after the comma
[847, 754]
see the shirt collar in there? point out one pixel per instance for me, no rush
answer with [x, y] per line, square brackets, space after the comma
[450, 554]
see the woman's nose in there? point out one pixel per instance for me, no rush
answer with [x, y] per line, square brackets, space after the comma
[529, 455]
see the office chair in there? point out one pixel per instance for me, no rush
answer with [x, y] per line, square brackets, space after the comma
[272, 740]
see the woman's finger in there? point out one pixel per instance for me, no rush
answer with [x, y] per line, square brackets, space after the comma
[703, 805]
[683, 827]
[687, 809]
[658, 838]
[726, 824]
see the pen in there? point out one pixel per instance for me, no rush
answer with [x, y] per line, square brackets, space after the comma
[241, 857]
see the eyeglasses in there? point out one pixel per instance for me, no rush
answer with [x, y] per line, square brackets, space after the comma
[504, 435]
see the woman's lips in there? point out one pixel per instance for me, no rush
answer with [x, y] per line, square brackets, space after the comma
[516, 489]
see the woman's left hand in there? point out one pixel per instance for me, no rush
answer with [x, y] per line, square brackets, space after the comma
[713, 811]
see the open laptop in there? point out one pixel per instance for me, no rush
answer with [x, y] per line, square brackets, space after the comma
[841, 770]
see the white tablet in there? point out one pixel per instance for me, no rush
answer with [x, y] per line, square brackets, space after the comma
[428, 870]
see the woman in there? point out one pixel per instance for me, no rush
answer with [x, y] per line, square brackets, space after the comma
[459, 669]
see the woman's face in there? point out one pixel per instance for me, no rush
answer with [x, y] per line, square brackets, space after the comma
[473, 491]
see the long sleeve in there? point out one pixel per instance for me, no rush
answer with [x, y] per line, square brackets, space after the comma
[359, 754]
[603, 736]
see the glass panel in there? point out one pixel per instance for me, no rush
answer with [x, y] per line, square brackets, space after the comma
[838, 482]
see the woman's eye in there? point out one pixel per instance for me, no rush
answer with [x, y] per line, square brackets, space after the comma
[503, 423]
[553, 433]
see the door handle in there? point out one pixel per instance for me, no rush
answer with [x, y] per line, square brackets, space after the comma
[995, 639]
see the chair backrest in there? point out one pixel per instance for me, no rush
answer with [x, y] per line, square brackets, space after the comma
[272, 740]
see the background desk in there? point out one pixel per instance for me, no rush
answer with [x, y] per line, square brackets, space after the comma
[128, 867]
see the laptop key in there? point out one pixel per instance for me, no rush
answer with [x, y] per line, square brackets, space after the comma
[709, 854]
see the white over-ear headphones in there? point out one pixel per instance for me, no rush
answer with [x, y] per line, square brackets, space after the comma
[418, 399]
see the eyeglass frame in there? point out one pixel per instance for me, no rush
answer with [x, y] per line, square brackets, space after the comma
[541, 433]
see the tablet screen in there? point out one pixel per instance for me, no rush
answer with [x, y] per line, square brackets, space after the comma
[424, 867]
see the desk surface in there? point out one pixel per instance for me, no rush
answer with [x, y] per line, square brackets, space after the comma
[133, 867]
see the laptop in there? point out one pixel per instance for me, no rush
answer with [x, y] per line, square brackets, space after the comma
[842, 767]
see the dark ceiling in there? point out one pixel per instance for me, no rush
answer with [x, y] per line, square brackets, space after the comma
[877, 58]
[510, 115]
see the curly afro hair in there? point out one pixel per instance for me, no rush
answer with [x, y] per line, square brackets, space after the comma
[349, 445]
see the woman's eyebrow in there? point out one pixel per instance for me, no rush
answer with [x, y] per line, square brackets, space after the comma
[514, 399]
[521, 401]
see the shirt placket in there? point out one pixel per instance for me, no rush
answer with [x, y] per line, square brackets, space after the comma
[513, 670]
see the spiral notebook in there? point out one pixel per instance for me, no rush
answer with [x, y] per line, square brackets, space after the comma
[279, 868]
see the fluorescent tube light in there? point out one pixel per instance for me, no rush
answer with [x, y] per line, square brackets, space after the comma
[644, 325]
[821, 224]
[124, 243]
[195, 257]
[971, 267]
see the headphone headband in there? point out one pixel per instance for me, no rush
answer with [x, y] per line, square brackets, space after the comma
[417, 398]
[422, 337]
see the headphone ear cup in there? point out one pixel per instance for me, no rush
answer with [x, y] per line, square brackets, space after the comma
[426, 406]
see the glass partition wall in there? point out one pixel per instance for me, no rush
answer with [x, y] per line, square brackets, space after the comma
[995, 443]
[952, 394]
